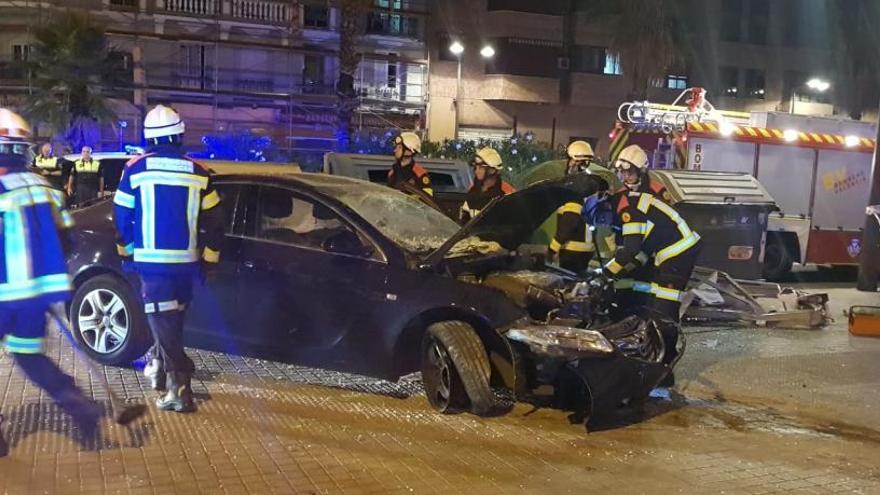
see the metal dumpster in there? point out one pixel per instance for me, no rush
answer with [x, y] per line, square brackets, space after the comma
[729, 210]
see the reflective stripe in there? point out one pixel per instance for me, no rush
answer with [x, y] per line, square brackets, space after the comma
[642, 257]
[50, 162]
[192, 217]
[634, 228]
[66, 219]
[579, 247]
[210, 255]
[429, 191]
[643, 287]
[555, 245]
[26, 196]
[211, 200]
[18, 256]
[13, 291]
[676, 249]
[666, 293]
[614, 267]
[124, 199]
[24, 345]
[169, 179]
[165, 255]
[125, 250]
[673, 215]
[644, 203]
[162, 307]
[90, 167]
[148, 201]
[649, 226]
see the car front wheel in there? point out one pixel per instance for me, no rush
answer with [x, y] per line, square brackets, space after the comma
[455, 369]
[108, 321]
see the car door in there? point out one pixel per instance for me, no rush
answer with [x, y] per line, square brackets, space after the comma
[309, 304]
[213, 314]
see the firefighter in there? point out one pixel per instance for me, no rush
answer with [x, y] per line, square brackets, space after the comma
[580, 155]
[488, 184]
[405, 169]
[34, 276]
[163, 202]
[83, 181]
[652, 229]
[632, 169]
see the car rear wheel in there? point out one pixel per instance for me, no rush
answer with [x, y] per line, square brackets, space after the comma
[108, 321]
[455, 369]
[777, 261]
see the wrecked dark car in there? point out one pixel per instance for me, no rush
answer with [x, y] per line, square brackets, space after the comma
[342, 274]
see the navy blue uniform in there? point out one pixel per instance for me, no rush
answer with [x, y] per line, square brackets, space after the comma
[163, 201]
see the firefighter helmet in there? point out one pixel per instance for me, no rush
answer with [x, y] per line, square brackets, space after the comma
[632, 156]
[410, 141]
[580, 151]
[13, 126]
[488, 157]
[162, 121]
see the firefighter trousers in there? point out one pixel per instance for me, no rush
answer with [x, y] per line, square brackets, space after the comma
[669, 282]
[575, 261]
[166, 297]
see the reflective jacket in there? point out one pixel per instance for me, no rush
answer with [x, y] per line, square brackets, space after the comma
[478, 198]
[46, 162]
[572, 233]
[649, 228]
[32, 258]
[162, 201]
[414, 175]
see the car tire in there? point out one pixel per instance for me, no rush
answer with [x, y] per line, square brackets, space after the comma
[777, 261]
[109, 303]
[456, 370]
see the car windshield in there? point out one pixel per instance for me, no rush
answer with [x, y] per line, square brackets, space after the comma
[413, 225]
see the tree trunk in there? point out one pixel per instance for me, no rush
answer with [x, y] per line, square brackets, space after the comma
[351, 22]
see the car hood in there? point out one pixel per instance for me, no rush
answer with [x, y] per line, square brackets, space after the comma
[512, 219]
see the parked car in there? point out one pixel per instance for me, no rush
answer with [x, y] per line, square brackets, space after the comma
[339, 273]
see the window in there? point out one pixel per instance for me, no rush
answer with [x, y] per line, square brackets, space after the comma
[191, 66]
[391, 80]
[729, 79]
[124, 3]
[443, 53]
[759, 13]
[612, 64]
[292, 219]
[313, 73]
[316, 16]
[20, 53]
[676, 82]
[229, 202]
[755, 83]
[731, 20]
[590, 59]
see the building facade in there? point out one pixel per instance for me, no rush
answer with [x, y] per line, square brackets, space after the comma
[263, 66]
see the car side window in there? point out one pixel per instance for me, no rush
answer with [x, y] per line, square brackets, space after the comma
[229, 194]
[287, 217]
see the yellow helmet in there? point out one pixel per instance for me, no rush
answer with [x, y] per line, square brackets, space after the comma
[580, 151]
[488, 157]
[410, 141]
[632, 156]
[13, 126]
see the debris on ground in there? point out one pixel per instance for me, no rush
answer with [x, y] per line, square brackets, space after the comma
[716, 296]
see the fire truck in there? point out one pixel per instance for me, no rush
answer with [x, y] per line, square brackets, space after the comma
[817, 169]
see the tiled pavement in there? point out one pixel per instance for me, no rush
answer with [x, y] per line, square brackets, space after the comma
[762, 412]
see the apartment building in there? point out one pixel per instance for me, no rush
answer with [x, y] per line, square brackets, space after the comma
[264, 66]
[552, 72]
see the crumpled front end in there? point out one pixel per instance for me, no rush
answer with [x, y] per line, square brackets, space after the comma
[595, 371]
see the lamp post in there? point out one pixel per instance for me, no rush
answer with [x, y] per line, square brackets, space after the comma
[815, 84]
[457, 49]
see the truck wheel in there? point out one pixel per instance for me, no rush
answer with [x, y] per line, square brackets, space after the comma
[777, 261]
[455, 369]
[108, 321]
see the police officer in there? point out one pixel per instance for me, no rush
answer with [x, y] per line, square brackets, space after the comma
[653, 228]
[83, 183]
[33, 277]
[405, 169]
[488, 184]
[46, 162]
[163, 201]
[580, 155]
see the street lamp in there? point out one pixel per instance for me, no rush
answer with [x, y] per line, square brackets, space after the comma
[815, 84]
[457, 49]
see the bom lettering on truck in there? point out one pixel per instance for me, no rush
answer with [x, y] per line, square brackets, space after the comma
[841, 180]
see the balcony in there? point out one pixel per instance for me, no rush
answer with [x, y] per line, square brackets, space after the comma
[525, 57]
[384, 24]
[520, 88]
[251, 82]
[256, 11]
[546, 7]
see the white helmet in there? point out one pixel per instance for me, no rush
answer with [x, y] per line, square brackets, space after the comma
[580, 151]
[13, 126]
[489, 158]
[410, 141]
[632, 156]
[162, 121]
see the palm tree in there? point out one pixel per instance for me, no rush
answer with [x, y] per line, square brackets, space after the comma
[352, 22]
[857, 44]
[649, 35]
[69, 67]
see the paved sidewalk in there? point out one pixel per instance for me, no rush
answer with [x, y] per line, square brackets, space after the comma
[758, 411]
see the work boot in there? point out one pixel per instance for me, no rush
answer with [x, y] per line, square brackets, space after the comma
[179, 397]
[85, 412]
[155, 372]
